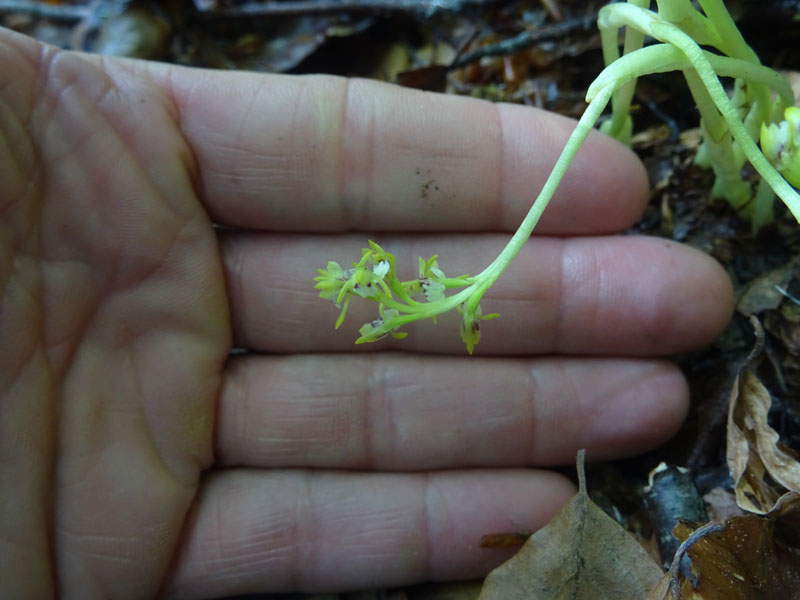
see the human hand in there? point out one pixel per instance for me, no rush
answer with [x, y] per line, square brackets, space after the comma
[137, 458]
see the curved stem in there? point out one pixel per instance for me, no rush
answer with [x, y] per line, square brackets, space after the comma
[663, 57]
[620, 125]
[685, 16]
[585, 125]
[432, 309]
[472, 294]
[731, 41]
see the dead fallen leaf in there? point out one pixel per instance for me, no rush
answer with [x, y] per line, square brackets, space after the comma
[763, 470]
[581, 554]
[748, 558]
[761, 293]
[432, 78]
[138, 32]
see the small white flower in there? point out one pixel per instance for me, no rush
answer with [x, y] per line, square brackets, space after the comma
[381, 269]
[780, 143]
[433, 290]
[364, 282]
[375, 330]
[331, 280]
[774, 139]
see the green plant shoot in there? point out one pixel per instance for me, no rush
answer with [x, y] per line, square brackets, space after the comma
[761, 108]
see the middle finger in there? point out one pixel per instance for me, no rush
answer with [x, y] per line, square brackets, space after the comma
[624, 295]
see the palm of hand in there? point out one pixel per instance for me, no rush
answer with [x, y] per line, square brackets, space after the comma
[115, 304]
[118, 308]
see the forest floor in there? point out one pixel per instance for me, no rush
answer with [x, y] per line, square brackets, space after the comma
[542, 53]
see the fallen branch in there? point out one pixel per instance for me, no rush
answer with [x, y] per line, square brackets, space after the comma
[57, 12]
[426, 8]
[94, 12]
[527, 39]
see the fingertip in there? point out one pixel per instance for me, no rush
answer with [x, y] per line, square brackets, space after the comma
[640, 295]
[699, 294]
[717, 303]
[641, 415]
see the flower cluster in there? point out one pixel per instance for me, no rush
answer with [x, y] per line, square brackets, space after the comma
[366, 279]
[374, 277]
[780, 143]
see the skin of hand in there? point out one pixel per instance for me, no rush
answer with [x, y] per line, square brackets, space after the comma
[139, 458]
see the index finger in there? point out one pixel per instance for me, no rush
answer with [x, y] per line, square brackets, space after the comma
[324, 153]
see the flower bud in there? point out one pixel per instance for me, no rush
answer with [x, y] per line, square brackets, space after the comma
[780, 143]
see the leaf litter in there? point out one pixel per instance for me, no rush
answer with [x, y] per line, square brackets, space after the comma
[582, 554]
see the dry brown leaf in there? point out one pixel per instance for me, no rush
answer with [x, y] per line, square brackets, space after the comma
[749, 558]
[754, 450]
[581, 554]
[761, 293]
[138, 32]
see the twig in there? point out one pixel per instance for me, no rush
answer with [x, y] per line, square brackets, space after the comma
[527, 39]
[57, 12]
[305, 7]
[694, 537]
[786, 293]
[652, 105]
[551, 6]
[92, 13]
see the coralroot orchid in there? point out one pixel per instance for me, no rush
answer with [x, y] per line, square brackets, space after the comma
[683, 39]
